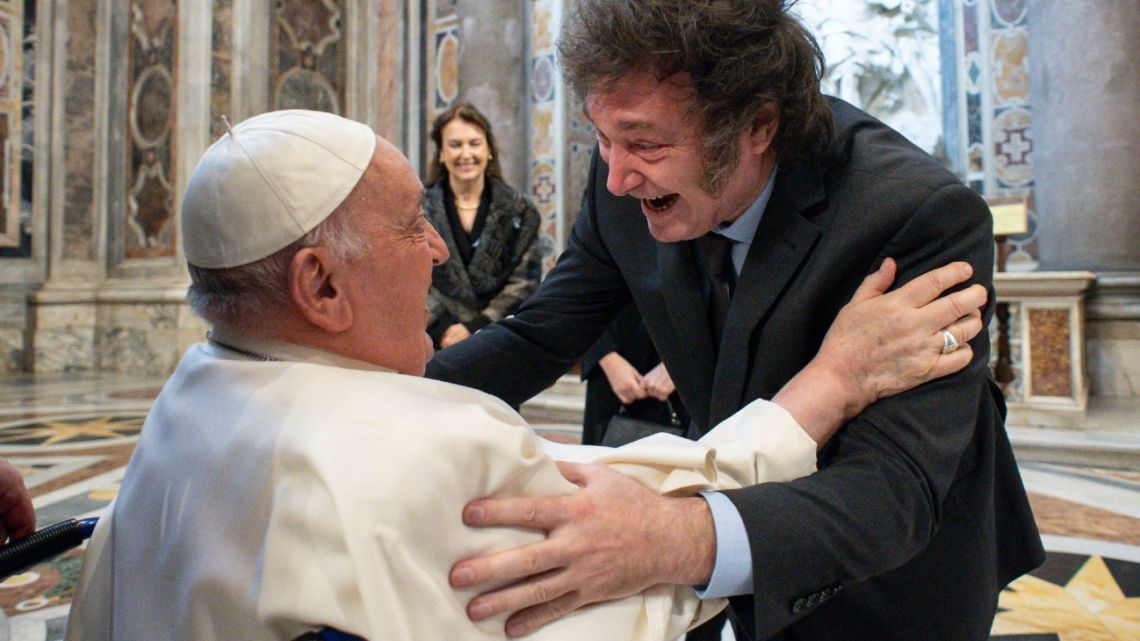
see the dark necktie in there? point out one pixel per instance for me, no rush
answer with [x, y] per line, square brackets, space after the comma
[714, 251]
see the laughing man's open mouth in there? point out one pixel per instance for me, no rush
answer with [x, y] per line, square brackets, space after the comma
[661, 203]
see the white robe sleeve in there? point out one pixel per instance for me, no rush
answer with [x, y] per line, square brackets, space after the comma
[760, 443]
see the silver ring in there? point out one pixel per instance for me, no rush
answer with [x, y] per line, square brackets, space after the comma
[949, 343]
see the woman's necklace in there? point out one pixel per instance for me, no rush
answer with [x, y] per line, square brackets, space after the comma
[469, 201]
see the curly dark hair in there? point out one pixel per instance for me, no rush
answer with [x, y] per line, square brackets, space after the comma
[740, 54]
[466, 112]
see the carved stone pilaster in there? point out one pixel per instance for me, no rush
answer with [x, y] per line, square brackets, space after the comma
[1047, 327]
[1114, 335]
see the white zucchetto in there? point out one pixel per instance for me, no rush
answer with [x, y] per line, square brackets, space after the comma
[268, 182]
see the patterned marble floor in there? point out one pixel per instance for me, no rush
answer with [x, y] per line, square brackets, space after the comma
[71, 436]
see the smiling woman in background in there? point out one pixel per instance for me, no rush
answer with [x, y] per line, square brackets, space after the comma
[490, 229]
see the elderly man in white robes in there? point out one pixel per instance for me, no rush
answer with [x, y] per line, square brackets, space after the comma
[296, 471]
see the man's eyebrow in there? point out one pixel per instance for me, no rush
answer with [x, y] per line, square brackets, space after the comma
[627, 125]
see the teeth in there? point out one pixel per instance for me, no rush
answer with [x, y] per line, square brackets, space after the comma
[662, 202]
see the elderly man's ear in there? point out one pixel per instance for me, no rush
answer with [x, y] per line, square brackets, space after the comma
[316, 287]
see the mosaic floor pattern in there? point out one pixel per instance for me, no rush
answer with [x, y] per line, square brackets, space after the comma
[71, 437]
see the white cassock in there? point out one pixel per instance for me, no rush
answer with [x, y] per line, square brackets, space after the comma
[267, 499]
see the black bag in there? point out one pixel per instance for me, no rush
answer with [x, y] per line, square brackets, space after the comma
[624, 429]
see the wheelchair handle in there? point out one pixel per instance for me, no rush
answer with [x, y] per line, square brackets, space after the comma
[43, 544]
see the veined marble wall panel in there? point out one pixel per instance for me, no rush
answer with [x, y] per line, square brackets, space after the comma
[11, 77]
[77, 238]
[493, 68]
[308, 52]
[139, 338]
[150, 229]
[993, 108]
[62, 335]
[1114, 358]
[581, 140]
[13, 321]
[221, 68]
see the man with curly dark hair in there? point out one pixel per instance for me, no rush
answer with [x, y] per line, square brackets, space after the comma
[738, 207]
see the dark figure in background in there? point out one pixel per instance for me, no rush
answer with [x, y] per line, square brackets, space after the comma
[709, 118]
[623, 369]
[490, 229]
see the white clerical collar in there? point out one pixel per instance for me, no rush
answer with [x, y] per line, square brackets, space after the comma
[266, 349]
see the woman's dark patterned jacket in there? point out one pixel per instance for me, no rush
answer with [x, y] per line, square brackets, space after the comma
[505, 267]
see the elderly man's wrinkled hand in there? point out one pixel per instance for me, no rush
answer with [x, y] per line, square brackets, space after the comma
[603, 542]
[888, 343]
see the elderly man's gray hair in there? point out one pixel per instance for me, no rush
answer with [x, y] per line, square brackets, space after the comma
[236, 296]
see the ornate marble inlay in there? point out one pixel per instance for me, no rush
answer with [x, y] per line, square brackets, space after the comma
[1011, 66]
[993, 113]
[446, 68]
[1074, 597]
[1013, 148]
[150, 229]
[152, 21]
[72, 431]
[1050, 358]
[545, 75]
[548, 96]
[308, 45]
[78, 141]
[311, 26]
[443, 46]
[1010, 12]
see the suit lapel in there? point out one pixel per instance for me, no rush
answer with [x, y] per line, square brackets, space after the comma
[783, 240]
[681, 289]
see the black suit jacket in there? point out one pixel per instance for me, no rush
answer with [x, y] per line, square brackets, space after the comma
[917, 516]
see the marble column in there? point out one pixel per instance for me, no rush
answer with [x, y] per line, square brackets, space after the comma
[1086, 93]
[113, 297]
[492, 75]
[60, 330]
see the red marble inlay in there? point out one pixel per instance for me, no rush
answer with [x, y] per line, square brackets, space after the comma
[1049, 352]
